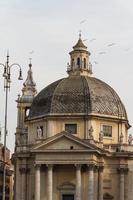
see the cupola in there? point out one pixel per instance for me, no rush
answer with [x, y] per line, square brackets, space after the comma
[79, 60]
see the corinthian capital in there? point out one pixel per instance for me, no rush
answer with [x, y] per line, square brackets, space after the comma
[122, 170]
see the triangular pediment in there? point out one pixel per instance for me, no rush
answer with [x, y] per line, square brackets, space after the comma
[63, 141]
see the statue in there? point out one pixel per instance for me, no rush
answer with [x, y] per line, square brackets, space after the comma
[130, 139]
[17, 141]
[91, 133]
[39, 132]
[101, 136]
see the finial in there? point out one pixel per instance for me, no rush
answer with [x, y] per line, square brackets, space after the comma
[30, 64]
[7, 56]
[80, 34]
[7, 52]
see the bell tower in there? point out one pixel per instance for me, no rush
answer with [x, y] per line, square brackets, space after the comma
[79, 60]
[23, 104]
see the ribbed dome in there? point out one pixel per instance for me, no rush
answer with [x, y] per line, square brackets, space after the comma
[81, 95]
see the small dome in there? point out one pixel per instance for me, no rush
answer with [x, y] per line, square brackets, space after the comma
[80, 45]
[81, 95]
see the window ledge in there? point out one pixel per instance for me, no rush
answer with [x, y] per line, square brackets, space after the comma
[108, 138]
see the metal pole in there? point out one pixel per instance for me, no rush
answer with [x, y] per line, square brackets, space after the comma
[5, 134]
[6, 75]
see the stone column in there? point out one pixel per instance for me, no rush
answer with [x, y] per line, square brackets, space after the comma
[37, 182]
[127, 183]
[96, 183]
[91, 182]
[50, 182]
[78, 182]
[100, 183]
[28, 185]
[23, 172]
[121, 184]
[122, 172]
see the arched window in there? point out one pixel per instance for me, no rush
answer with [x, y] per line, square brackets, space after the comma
[27, 110]
[78, 62]
[84, 63]
[72, 62]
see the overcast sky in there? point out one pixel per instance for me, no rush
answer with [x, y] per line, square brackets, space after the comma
[50, 29]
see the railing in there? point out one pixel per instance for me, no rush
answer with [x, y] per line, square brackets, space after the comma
[118, 147]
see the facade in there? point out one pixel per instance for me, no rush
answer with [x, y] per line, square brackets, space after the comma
[9, 175]
[72, 139]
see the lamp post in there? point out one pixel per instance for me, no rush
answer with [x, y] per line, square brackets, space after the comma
[7, 81]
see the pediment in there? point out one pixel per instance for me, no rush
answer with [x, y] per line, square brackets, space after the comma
[63, 141]
[66, 186]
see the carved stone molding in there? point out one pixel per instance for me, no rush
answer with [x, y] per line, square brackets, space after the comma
[122, 170]
[95, 169]
[24, 170]
[101, 168]
[50, 166]
[91, 166]
[66, 186]
[37, 166]
[78, 166]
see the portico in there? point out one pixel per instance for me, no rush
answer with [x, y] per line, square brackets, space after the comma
[78, 168]
[76, 192]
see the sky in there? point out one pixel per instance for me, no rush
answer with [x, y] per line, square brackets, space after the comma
[49, 29]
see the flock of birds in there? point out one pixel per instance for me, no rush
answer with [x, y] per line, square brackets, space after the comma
[102, 52]
[110, 45]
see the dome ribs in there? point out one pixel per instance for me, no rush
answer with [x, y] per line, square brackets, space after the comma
[87, 99]
[42, 102]
[69, 96]
[104, 99]
[80, 95]
[120, 112]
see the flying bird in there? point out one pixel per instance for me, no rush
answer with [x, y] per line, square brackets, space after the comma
[85, 40]
[31, 52]
[102, 52]
[128, 49]
[110, 45]
[82, 21]
[92, 39]
[95, 62]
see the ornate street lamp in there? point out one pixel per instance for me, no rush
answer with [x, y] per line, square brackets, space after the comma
[7, 81]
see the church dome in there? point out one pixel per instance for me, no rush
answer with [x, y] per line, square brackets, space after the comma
[77, 95]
